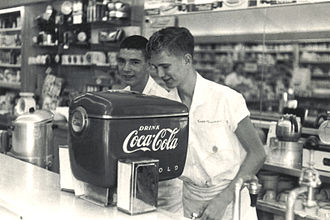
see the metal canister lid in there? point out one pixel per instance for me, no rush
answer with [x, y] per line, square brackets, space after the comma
[35, 117]
[324, 132]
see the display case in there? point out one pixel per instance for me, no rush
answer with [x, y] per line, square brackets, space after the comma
[10, 55]
[78, 43]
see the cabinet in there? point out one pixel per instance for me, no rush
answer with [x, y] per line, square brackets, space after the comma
[82, 50]
[267, 67]
[315, 56]
[274, 29]
[271, 65]
[11, 31]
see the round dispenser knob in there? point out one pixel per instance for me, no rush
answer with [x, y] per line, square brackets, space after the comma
[312, 143]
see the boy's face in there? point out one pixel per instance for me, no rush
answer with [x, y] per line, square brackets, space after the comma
[171, 68]
[132, 66]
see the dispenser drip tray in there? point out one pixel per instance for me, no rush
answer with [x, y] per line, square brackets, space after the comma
[99, 195]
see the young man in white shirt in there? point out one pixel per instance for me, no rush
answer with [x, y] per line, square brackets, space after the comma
[223, 145]
[133, 70]
[133, 67]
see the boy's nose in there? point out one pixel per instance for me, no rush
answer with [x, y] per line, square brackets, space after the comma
[161, 72]
[126, 67]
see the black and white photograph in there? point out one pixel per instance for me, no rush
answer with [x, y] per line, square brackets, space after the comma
[165, 109]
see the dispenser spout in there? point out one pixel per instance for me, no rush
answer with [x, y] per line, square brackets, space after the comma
[289, 215]
[309, 180]
[254, 188]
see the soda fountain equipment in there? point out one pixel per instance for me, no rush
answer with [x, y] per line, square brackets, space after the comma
[127, 128]
[254, 188]
[286, 148]
[309, 180]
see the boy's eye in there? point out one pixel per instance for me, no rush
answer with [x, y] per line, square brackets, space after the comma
[165, 67]
[120, 61]
[154, 67]
[136, 62]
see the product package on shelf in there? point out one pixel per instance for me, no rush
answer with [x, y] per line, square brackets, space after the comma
[7, 102]
[51, 92]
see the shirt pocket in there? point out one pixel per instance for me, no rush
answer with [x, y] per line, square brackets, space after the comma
[219, 155]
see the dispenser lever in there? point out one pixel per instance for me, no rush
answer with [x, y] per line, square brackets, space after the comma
[253, 198]
[254, 189]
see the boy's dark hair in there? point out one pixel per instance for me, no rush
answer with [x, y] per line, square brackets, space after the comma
[135, 42]
[176, 40]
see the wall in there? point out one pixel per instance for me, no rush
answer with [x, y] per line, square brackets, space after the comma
[270, 20]
[14, 3]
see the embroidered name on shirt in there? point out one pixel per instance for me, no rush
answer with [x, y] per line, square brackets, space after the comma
[209, 121]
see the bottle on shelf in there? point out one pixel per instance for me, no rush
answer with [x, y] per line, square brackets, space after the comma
[78, 13]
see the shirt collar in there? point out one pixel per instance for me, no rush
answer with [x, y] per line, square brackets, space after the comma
[127, 88]
[146, 89]
[148, 86]
[199, 92]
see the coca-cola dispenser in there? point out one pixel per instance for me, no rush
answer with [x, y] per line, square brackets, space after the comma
[116, 125]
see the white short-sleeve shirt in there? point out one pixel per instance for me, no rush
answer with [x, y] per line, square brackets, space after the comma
[215, 153]
[169, 191]
[153, 88]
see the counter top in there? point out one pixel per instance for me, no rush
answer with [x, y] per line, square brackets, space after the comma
[34, 193]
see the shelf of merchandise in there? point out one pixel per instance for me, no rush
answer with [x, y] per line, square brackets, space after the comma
[315, 50]
[105, 65]
[241, 51]
[280, 210]
[314, 96]
[320, 77]
[10, 65]
[324, 176]
[10, 85]
[265, 125]
[314, 62]
[10, 47]
[205, 69]
[233, 7]
[10, 29]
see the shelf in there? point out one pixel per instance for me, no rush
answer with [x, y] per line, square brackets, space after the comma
[91, 65]
[205, 69]
[315, 50]
[241, 51]
[280, 209]
[314, 96]
[46, 45]
[10, 47]
[324, 176]
[105, 46]
[10, 65]
[269, 51]
[10, 85]
[314, 62]
[204, 61]
[98, 24]
[109, 24]
[10, 29]
[229, 8]
[320, 77]
[265, 124]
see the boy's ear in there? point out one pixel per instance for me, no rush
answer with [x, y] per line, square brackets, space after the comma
[188, 58]
[151, 69]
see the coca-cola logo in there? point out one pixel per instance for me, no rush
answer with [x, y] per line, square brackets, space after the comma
[161, 139]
